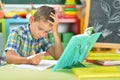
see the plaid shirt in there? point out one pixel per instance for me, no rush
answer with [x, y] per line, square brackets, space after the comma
[21, 42]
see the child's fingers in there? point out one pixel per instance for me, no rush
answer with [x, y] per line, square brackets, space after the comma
[50, 22]
[53, 15]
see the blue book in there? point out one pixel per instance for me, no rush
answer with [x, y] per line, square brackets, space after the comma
[77, 49]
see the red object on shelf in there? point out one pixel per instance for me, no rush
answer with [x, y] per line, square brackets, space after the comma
[1, 14]
[70, 16]
[70, 6]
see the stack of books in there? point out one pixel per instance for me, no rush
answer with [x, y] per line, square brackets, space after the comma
[105, 62]
[105, 59]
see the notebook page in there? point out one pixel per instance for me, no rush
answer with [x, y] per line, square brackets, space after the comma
[44, 64]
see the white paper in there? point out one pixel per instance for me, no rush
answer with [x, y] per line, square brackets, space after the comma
[108, 62]
[116, 62]
[44, 64]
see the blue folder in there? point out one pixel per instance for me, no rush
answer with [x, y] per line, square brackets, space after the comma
[77, 49]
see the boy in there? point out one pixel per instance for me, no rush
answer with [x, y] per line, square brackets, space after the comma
[28, 40]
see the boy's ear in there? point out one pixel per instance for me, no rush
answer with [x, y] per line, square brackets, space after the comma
[31, 19]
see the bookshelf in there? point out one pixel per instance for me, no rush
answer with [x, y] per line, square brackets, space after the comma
[73, 24]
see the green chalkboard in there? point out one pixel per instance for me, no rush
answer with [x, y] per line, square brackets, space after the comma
[36, 1]
[104, 16]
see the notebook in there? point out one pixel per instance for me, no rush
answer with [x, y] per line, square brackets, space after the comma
[44, 64]
[77, 49]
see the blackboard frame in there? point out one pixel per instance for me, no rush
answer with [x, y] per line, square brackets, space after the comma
[61, 2]
[98, 44]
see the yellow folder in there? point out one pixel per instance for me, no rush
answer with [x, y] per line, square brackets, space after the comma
[97, 72]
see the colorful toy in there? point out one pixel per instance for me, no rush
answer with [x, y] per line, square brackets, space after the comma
[70, 9]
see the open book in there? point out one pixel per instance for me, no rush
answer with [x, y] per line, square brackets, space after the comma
[77, 49]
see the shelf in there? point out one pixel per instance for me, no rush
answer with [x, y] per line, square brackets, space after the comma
[67, 20]
[74, 24]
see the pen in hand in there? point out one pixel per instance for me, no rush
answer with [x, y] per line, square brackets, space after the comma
[34, 58]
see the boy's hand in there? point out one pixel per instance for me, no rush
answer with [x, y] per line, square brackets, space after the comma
[35, 58]
[55, 23]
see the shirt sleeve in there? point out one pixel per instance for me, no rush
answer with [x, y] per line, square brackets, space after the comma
[13, 42]
[46, 44]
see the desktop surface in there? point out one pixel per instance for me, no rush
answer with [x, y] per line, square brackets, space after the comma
[9, 72]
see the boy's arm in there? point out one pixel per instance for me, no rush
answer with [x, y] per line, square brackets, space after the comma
[57, 50]
[13, 58]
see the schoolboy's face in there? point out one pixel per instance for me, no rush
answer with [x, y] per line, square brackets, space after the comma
[40, 29]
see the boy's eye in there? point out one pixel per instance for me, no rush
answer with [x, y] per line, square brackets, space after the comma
[46, 31]
[39, 28]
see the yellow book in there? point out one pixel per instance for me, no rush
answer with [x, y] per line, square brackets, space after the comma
[97, 72]
[103, 56]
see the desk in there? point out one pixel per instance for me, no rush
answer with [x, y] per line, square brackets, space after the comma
[8, 72]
